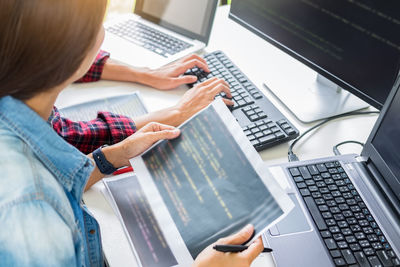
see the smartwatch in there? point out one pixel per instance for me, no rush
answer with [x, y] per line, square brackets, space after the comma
[102, 163]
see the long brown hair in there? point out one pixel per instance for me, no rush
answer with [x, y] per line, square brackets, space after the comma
[43, 42]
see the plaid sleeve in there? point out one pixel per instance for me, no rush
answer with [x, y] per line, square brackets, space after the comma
[107, 128]
[95, 71]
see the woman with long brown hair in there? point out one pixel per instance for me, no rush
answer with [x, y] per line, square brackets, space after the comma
[45, 45]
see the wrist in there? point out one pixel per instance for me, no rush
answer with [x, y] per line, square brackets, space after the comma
[173, 116]
[114, 155]
[117, 72]
[145, 76]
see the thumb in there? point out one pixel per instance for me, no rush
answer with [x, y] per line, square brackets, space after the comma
[185, 79]
[165, 134]
[254, 249]
[240, 237]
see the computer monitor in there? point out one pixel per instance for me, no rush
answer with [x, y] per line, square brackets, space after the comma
[350, 44]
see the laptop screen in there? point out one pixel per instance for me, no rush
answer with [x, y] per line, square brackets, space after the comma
[192, 18]
[384, 149]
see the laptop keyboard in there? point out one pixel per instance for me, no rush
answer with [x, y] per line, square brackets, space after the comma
[263, 124]
[149, 38]
[347, 227]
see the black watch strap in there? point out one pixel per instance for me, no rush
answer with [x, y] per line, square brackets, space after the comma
[102, 163]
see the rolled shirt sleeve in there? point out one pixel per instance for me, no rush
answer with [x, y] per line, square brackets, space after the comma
[95, 71]
[86, 136]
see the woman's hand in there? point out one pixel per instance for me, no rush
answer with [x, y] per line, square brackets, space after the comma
[170, 76]
[211, 258]
[164, 78]
[191, 102]
[201, 96]
[120, 154]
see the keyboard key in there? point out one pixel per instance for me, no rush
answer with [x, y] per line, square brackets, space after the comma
[351, 239]
[340, 262]
[361, 259]
[377, 246]
[301, 185]
[298, 179]
[342, 244]
[327, 215]
[338, 237]
[364, 243]
[330, 243]
[323, 208]
[369, 251]
[304, 172]
[338, 217]
[335, 253]
[312, 207]
[325, 175]
[304, 192]
[313, 169]
[358, 235]
[348, 256]
[391, 254]
[325, 234]
[334, 229]
[290, 131]
[316, 194]
[355, 247]
[268, 138]
[330, 164]
[373, 260]
[384, 258]
[310, 182]
[330, 222]
[321, 167]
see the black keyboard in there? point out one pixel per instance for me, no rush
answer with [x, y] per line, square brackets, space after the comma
[347, 227]
[261, 121]
[149, 38]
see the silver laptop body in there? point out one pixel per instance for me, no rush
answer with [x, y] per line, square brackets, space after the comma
[159, 32]
[375, 175]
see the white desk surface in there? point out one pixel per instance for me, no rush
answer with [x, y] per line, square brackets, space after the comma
[256, 58]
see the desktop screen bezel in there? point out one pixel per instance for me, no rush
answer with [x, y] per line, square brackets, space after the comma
[203, 38]
[374, 157]
[359, 93]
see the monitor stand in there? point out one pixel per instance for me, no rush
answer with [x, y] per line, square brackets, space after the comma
[311, 97]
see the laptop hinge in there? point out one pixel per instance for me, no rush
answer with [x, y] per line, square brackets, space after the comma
[384, 189]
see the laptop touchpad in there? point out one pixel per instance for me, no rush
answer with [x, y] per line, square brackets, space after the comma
[294, 222]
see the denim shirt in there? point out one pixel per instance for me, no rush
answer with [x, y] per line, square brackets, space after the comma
[42, 219]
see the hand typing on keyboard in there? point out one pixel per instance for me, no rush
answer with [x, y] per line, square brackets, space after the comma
[262, 123]
[203, 94]
[170, 76]
[165, 78]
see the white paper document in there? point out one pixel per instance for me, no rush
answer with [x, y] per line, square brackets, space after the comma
[206, 184]
[129, 105]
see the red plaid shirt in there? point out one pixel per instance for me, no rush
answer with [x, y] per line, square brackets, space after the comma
[107, 128]
[95, 71]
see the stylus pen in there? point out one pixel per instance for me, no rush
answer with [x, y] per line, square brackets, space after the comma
[235, 248]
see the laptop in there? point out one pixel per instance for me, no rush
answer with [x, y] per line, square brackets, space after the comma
[347, 207]
[160, 31]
